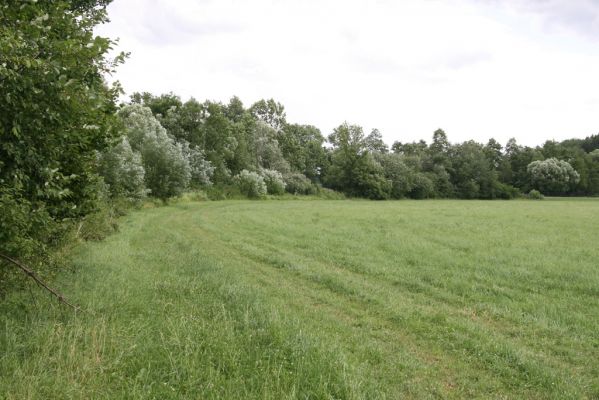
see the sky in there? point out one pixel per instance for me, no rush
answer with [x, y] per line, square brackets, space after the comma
[478, 69]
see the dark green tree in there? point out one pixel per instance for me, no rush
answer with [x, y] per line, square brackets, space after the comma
[353, 170]
[302, 147]
[374, 142]
[270, 112]
[56, 113]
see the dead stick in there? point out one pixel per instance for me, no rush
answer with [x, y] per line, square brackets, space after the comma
[37, 280]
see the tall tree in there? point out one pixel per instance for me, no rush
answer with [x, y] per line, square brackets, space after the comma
[56, 112]
[270, 112]
[353, 169]
[374, 142]
[302, 147]
[552, 176]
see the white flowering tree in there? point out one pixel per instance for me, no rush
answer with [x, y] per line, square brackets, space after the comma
[251, 184]
[167, 169]
[273, 180]
[552, 176]
[200, 168]
[123, 171]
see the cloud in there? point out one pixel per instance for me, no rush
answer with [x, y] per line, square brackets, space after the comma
[160, 23]
[558, 16]
[468, 59]
[476, 68]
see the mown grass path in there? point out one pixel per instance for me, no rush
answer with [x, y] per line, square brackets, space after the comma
[322, 299]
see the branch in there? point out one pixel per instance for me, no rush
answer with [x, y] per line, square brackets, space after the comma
[28, 271]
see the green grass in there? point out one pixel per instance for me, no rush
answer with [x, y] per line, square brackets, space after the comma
[320, 299]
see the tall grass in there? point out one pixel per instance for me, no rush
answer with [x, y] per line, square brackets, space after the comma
[322, 300]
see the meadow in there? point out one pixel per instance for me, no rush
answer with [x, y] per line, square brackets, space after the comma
[320, 299]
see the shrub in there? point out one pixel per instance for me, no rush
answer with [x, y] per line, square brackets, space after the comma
[298, 184]
[273, 180]
[535, 195]
[250, 184]
[505, 191]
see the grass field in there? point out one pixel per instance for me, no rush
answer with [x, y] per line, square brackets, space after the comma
[321, 300]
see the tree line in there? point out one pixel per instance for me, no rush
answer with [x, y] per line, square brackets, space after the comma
[231, 145]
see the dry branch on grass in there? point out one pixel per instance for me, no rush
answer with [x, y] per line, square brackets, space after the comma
[29, 272]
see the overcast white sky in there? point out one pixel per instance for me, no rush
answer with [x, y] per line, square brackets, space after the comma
[476, 68]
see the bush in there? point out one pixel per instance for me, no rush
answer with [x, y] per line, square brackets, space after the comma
[505, 191]
[250, 184]
[273, 180]
[535, 195]
[298, 184]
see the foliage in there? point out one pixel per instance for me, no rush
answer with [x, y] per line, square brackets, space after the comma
[552, 176]
[56, 113]
[273, 180]
[472, 173]
[374, 142]
[422, 186]
[270, 112]
[302, 147]
[123, 171]
[251, 184]
[353, 170]
[234, 138]
[535, 195]
[167, 169]
[398, 173]
[201, 169]
[297, 183]
[267, 150]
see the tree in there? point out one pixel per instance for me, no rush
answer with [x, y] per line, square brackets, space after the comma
[493, 152]
[472, 173]
[167, 170]
[273, 180]
[353, 169]
[123, 171]
[409, 149]
[234, 111]
[374, 142]
[439, 147]
[267, 150]
[552, 176]
[184, 121]
[218, 140]
[159, 105]
[250, 184]
[591, 143]
[593, 159]
[398, 173]
[302, 147]
[201, 170]
[517, 159]
[56, 113]
[270, 112]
